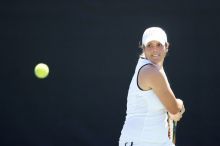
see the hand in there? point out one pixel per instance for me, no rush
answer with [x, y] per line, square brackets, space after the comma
[175, 117]
[178, 116]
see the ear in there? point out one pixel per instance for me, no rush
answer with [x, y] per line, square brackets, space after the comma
[167, 46]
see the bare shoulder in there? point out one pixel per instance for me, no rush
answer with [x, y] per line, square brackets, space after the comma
[149, 75]
[150, 71]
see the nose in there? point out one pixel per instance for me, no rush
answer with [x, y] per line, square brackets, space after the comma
[155, 48]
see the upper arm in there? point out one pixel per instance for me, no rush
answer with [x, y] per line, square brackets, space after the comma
[150, 77]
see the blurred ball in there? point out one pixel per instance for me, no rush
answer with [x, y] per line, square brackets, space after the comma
[41, 70]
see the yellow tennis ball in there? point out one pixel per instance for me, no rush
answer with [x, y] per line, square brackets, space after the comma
[41, 70]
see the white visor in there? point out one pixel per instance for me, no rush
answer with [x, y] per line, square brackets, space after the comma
[154, 34]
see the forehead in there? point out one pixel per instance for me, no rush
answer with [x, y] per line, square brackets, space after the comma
[153, 42]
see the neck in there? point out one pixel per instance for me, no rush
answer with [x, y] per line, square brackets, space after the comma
[159, 66]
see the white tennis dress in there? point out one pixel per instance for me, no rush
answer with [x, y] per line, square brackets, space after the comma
[146, 117]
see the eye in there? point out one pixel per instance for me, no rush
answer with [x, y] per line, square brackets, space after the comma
[159, 45]
[149, 45]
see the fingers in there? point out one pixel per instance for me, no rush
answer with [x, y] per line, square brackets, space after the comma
[183, 110]
[175, 117]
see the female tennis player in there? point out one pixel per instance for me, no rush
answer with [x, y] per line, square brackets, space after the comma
[150, 96]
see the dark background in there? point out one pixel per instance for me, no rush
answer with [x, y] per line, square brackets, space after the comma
[91, 47]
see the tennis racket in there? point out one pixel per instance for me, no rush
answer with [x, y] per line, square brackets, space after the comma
[172, 125]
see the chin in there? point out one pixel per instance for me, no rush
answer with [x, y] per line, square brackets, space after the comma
[155, 60]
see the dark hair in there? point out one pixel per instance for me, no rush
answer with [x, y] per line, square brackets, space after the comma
[140, 45]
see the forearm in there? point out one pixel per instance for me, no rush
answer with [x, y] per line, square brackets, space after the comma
[178, 115]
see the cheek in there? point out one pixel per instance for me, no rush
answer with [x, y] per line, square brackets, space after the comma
[148, 49]
[164, 50]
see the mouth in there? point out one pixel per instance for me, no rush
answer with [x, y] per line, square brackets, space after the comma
[155, 55]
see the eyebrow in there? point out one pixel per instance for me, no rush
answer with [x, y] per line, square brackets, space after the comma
[150, 43]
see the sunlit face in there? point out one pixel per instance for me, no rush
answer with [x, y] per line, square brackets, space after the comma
[155, 52]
